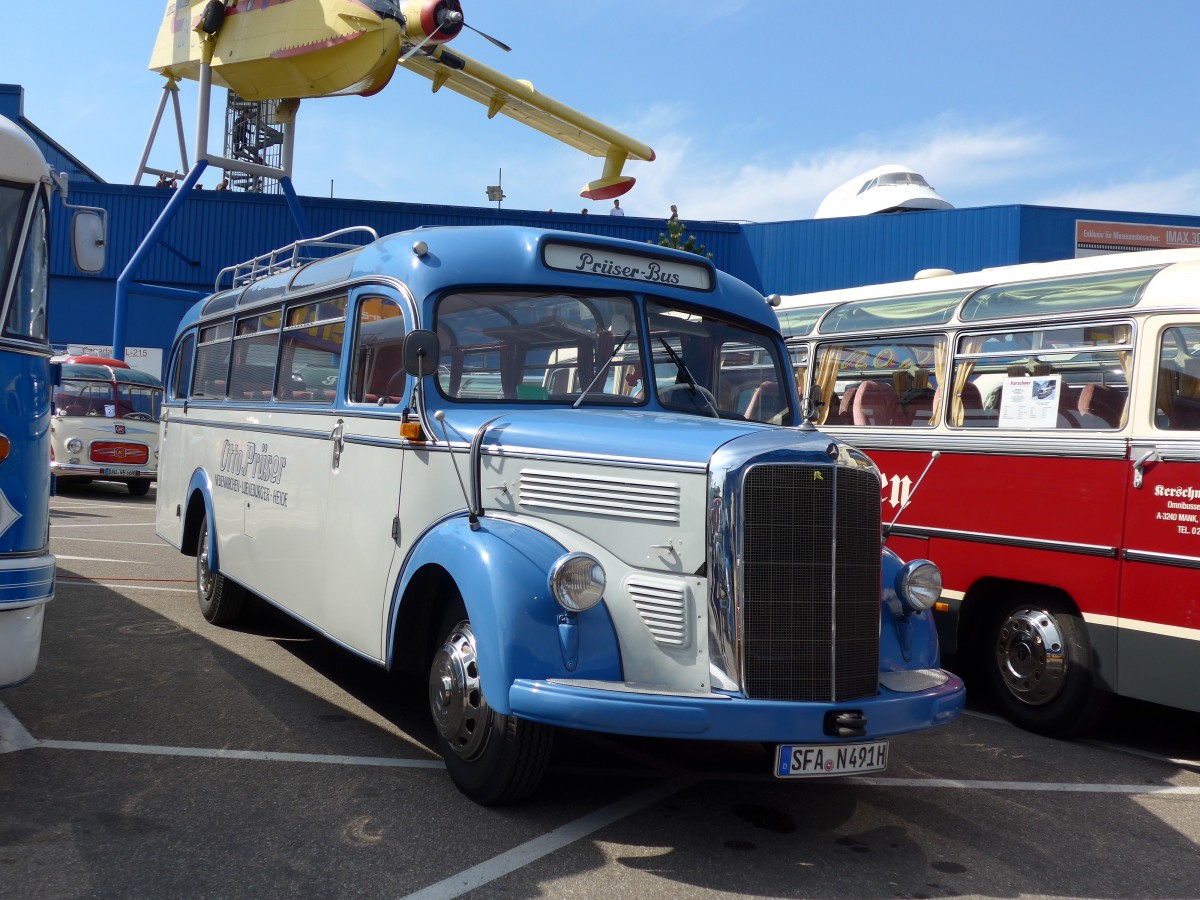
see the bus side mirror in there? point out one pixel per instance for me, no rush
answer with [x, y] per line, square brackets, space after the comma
[88, 241]
[421, 353]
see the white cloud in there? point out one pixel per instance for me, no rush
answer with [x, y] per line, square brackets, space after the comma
[955, 160]
[1179, 195]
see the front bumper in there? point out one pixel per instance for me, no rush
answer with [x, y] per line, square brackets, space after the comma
[617, 709]
[64, 470]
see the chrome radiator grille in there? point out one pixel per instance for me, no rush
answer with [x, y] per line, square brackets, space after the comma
[810, 582]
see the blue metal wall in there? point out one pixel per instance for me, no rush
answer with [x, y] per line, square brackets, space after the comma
[214, 230]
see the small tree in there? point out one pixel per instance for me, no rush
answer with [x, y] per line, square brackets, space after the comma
[675, 238]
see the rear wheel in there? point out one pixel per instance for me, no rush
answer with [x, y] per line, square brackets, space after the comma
[138, 487]
[491, 758]
[1040, 667]
[221, 601]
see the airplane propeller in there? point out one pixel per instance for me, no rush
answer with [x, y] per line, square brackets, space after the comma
[447, 19]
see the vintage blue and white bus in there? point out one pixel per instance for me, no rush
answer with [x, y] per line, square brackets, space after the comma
[26, 565]
[564, 479]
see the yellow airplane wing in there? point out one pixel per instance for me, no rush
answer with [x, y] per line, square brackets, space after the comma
[519, 100]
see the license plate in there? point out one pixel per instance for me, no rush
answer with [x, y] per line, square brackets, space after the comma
[120, 471]
[816, 760]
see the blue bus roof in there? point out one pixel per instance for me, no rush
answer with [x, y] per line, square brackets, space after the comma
[504, 255]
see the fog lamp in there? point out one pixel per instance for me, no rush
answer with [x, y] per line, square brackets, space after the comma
[919, 584]
[577, 581]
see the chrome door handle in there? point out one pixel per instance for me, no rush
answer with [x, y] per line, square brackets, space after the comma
[1140, 464]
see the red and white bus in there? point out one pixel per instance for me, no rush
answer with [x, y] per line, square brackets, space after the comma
[105, 424]
[1051, 415]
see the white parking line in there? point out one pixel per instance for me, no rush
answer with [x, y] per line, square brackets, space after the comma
[531, 851]
[128, 562]
[63, 582]
[260, 755]
[163, 544]
[110, 525]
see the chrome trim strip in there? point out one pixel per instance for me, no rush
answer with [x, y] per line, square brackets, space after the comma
[264, 429]
[1161, 559]
[1007, 540]
[633, 462]
[1077, 443]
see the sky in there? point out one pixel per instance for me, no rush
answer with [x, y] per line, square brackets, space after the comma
[756, 109]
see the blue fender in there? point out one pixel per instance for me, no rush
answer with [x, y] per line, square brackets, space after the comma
[907, 639]
[503, 571]
[201, 484]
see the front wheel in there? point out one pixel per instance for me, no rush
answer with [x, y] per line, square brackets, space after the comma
[491, 758]
[1040, 667]
[221, 601]
[138, 487]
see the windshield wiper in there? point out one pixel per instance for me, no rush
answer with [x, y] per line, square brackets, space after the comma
[603, 368]
[683, 370]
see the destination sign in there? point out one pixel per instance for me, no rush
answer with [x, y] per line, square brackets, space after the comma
[630, 266]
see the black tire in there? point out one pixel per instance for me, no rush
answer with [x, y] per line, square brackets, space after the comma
[221, 600]
[213, 17]
[138, 487]
[492, 759]
[1039, 666]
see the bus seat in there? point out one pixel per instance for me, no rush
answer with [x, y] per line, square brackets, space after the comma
[1103, 401]
[764, 402]
[841, 412]
[918, 404]
[876, 404]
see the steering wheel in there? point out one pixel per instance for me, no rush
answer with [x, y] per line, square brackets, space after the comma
[666, 396]
[140, 416]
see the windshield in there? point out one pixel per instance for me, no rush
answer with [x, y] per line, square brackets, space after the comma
[582, 349]
[77, 397]
[712, 367]
[539, 347]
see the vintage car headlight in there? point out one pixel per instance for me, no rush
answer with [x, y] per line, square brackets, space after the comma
[577, 581]
[74, 445]
[919, 584]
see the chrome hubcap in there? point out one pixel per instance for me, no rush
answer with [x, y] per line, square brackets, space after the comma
[460, 713]
[203, 576]
[1031, 655]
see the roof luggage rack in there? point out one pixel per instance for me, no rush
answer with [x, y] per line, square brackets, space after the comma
[292, 256]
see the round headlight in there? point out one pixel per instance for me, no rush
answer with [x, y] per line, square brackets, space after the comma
[919, 584]
[74, 445]
[577, 582]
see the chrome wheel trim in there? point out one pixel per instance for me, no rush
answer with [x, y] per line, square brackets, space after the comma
[460, 713]
[1031, 654]
[203, 575]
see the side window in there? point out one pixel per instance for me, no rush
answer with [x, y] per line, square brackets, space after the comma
[377, 370]
[311, 357]
[212, 362]
[892, 382]
[1074, 377]
[181, 368]
[27, 314]
[254, 348]
[1177, 392]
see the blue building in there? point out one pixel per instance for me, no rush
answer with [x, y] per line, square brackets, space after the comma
[214, 230]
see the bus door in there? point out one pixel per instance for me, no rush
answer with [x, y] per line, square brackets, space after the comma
[364, 466]
[1159, 642]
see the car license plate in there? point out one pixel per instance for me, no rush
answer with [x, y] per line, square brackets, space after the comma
[816, 760]
[120, 471]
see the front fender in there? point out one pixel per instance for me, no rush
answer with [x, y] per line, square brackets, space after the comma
[907, 640]
[502, 573]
